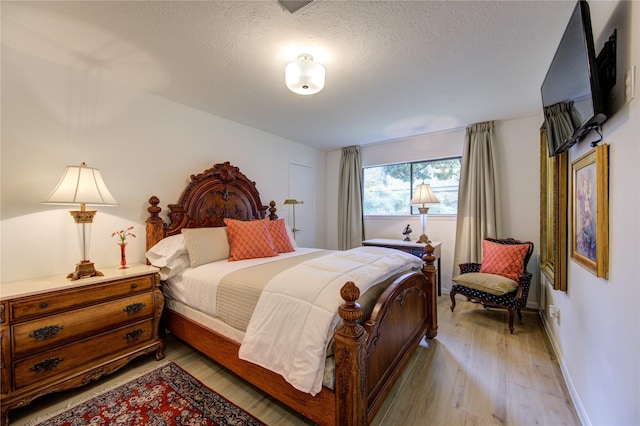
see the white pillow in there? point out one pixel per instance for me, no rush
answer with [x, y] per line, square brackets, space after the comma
[167, 250]
[290, 234]
[206, 245]
[171, 270]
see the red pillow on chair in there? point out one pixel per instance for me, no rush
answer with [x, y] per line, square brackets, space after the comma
[503, 259]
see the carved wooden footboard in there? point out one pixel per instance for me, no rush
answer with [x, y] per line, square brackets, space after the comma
[369, 357]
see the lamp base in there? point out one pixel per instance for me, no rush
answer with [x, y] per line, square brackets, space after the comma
[84, 269]
[423, 239]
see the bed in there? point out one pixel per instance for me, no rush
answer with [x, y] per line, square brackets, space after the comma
[370, 346]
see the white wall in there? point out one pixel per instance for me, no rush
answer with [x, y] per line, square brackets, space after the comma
[144, 145]
[597, 337]
[517, 153]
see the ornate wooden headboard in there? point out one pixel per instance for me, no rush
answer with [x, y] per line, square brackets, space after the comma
[222, 191]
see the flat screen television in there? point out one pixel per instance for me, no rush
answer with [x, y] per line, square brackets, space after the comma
[571, 95]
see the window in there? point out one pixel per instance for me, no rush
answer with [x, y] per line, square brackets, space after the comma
[388, 189]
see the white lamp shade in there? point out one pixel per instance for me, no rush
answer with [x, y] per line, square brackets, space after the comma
[304, 76]
[424, 195]
[81, 185]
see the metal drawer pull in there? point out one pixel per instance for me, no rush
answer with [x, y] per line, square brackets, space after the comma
[134, 308]
[45, 333]
[134, 286]
[134, 335]
[44, 305]
[46, 365]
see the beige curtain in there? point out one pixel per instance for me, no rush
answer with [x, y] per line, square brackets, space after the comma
[350, 222]
[477, 195]
[560, 121]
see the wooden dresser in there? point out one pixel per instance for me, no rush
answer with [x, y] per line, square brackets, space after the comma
[58, 334]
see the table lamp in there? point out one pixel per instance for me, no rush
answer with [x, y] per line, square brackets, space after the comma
[84, 186]
[424, 196]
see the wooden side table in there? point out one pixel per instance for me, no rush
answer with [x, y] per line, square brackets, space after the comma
[58, 334]
[417, 249]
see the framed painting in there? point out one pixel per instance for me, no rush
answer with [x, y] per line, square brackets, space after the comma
[590, 210]
[554, 174]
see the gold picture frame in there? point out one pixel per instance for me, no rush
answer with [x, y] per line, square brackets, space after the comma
[590, 210]
[553, 215]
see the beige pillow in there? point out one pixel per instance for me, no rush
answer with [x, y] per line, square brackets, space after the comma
[206, 245]
[489, 283]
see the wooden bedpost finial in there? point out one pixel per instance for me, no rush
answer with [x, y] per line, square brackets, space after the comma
[428, 257]
[429, 269]
[350, 352]
[272, 210]
[154, 210]
[350, 311]
[430, 272]
[155, 224]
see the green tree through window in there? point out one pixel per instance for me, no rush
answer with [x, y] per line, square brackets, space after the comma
[388, 189]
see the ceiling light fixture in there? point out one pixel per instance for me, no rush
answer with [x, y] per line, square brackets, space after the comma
[304, 76]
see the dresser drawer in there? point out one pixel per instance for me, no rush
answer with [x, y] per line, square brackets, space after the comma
[54, 302]
[56, 330]
[418, 252]
[64, 359]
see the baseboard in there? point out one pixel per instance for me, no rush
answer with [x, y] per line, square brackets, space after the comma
[575, 398]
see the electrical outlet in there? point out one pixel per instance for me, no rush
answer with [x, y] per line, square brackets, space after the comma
[630, 85]
[554, 312]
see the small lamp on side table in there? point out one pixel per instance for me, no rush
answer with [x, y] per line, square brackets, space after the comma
[424, 196]
[82, 185]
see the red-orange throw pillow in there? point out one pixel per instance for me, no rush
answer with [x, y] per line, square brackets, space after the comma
[249, 239]
[503, 259]
[279, 235]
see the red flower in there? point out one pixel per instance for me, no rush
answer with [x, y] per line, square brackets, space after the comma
[123, 234]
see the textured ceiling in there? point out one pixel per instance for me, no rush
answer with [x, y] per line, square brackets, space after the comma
[394, 69]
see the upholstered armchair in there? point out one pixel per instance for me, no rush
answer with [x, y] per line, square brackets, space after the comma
[501, 280]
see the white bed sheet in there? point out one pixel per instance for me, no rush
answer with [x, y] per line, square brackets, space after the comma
[198, 287]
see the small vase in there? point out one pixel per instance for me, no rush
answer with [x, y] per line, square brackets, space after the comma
[123, 256]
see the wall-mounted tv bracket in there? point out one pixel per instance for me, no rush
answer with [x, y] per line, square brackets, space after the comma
[598, 130]
[606, 62]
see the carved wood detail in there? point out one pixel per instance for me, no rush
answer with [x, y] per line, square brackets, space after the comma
[159, 303]
[44, 360]
[217, 193]
[350, 351]
[430, 272]
[368, 358]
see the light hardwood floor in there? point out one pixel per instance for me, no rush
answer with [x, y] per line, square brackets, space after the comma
[473, 373]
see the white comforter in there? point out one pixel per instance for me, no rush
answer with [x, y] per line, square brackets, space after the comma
[296, 314]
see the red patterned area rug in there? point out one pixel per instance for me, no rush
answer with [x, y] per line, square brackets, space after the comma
[167, 396]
